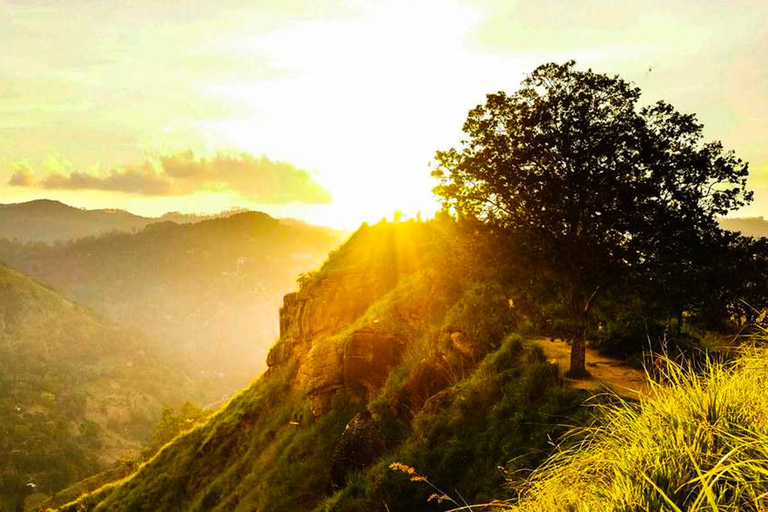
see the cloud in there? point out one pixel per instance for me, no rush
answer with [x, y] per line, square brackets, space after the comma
[130, 181]
[22, 176]
[256, 178]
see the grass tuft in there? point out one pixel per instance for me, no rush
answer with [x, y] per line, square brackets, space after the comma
[698, 441]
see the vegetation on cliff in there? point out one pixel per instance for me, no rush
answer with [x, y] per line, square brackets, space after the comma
[407, 346]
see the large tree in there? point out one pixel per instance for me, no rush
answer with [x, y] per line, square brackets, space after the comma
[595, 187]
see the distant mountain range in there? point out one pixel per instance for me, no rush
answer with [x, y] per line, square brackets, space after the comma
[45, 220]
[181, 299]
[748, 226]
[208, 291]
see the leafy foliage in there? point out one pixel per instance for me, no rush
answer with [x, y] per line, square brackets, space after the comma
[595, 189]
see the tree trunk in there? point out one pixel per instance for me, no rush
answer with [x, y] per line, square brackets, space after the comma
[578, 368]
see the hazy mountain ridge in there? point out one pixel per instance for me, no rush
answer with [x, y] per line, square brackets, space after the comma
[76, 391]
[208, 291]
[747, 226]
[46, 220]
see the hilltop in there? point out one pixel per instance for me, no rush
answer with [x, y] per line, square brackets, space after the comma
[403, 347]
[207, 291]
[45, 220]
[76, 391]
[408, 375]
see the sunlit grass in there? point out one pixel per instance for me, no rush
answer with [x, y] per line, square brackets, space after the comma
[698, 441]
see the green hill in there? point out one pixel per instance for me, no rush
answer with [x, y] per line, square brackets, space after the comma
[76, 391]
[45, 220]
[206, 291]
[405, 347]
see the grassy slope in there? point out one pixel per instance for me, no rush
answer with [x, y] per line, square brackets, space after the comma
[456, 418]
[697, 442]
[75, 391]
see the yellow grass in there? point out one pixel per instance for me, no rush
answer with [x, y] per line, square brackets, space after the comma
[698, 441]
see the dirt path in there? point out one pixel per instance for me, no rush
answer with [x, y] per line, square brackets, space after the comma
[606, 372]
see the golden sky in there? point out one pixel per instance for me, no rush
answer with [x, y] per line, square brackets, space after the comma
[329, 111]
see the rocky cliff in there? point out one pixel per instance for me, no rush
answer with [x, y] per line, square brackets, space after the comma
[329, 329]
[398, 349]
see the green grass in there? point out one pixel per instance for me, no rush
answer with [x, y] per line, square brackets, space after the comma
[266, 451]
[497, 420]
[698, 441]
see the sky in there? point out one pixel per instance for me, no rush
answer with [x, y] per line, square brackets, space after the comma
[330, 111]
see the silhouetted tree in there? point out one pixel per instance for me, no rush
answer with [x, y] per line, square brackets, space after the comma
[595, 188]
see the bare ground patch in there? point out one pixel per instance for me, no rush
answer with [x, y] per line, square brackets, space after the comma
[607, 373]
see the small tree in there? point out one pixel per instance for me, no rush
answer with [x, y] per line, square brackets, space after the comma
[594, 187]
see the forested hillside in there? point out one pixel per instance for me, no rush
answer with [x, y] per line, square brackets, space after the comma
[76, 391]
[207, 291]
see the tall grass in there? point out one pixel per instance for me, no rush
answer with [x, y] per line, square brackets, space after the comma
[697, 441]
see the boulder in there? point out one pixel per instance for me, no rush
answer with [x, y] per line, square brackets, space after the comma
[360, 445]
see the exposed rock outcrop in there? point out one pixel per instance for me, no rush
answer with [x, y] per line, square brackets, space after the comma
[360, 444]
[331, 328]
[357, 364]
[322, 331]
[322, 309]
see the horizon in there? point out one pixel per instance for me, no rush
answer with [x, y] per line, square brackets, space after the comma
[237, 210]
[329, 114]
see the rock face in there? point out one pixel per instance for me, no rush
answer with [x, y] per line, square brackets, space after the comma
[323, 329]
[357, 364]
[368, 357]
[322, 310]
[350, 324]
[360, 444]
[331, 357]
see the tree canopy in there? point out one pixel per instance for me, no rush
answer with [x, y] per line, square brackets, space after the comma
[595, 185]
